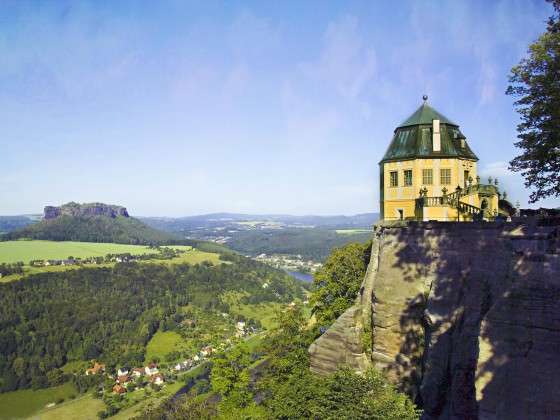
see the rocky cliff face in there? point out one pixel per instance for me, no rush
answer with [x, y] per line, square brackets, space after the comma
[463, 317]
[85, 210]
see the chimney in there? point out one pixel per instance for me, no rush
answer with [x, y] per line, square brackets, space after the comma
[436, 137]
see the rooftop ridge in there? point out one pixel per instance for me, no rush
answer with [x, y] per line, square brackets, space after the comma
[425, 114]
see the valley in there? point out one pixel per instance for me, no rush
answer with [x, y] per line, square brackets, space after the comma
[103, 316]
[298, 244]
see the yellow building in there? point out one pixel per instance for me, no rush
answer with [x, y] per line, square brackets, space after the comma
[429, 172]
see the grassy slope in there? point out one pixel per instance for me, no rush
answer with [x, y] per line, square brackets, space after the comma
[264, 312]
[23, 403]
[83, 408]
[163, 343]
[194, 257]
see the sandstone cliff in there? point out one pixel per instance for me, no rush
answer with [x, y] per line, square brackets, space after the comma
[463, 317]
[84, 210]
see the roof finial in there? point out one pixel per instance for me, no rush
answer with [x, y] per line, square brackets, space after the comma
[425, 97]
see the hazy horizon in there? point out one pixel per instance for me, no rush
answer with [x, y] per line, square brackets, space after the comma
[132, 214]
[183, 108]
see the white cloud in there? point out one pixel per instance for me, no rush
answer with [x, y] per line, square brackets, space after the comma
[496, 169]
[346, 63]
[487, 82]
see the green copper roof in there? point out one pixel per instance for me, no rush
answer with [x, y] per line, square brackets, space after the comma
[425, 115]
[413, 138]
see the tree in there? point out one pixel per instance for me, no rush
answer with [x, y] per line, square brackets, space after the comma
[535, 81]
[55, 377]
[19, 366]
[338, 282]
[287, 344]
[230, 377]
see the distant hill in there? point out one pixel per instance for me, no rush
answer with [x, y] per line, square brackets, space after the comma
[10, 223]
[177, 224]
[92, 222]
[312, 237]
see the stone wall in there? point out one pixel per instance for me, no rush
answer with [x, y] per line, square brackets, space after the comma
[464, 317]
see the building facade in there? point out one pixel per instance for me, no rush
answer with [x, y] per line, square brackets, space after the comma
[429, 172]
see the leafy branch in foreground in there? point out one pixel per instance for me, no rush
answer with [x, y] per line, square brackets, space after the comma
[535, 81]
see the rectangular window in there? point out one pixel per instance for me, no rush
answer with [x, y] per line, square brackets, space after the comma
[408, 177]
[427, 177]
[394, 179]
[445, 176]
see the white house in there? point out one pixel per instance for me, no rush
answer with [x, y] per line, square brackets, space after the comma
[122, 371]
[206, 351]
[151, 369]
[157, 379]
[240, 326]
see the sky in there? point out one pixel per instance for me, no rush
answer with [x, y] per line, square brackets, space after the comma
[176, 108]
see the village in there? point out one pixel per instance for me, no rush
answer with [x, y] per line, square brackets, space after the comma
[160, 253]
[289, 263]
[128, 379]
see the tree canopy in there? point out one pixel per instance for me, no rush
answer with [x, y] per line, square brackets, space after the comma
[337, 283]
[535, 82]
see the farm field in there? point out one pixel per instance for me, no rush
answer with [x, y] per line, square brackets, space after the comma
[352, 231]
[13, 251]
[26, 402]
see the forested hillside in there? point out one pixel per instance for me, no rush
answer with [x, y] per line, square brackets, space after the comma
[10, 223]
[124, 230]
[109, 314]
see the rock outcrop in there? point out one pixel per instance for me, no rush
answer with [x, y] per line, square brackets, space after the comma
[85, 210]
[464, 317]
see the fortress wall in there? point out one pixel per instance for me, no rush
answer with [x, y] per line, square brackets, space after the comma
[465, 318]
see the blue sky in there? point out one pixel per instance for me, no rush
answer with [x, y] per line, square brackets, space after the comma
[180, 108]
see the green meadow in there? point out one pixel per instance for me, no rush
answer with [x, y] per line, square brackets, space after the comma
[26, 402]
[23, 250]
[82, 408]
[264, 312]
[27, 250]
[163, 343]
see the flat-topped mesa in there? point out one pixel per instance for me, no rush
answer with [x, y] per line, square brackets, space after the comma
[84, 210]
